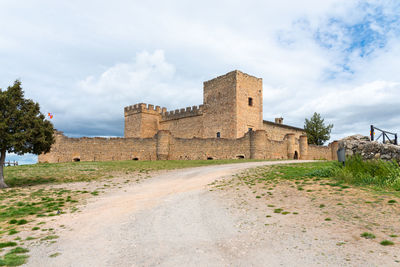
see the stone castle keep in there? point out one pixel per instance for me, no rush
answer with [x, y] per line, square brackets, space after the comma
[228, 125]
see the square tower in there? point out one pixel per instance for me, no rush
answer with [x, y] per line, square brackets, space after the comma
[232, 105]
[142, 120]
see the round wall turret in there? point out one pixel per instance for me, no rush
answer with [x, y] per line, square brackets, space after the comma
[290, 145]
[258, 144]
[163, 140]
[303, 147]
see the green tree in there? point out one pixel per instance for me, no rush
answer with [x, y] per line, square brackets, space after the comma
[23, 129]
[317, 132]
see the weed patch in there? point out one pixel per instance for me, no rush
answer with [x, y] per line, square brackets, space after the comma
[7, 244]
[368, 235]
[387, 243]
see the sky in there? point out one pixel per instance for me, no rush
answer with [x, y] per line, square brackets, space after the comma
[84, 61]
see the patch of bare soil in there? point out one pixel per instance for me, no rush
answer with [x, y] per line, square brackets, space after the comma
[316, 221]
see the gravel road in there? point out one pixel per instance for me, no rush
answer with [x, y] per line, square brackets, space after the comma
[169, 220]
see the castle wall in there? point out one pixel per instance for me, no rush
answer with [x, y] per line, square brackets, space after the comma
[210, 148]
[100, 149]
[164, 146]
[278, 132]
[320, 152]
[276, 149]
[184, 123]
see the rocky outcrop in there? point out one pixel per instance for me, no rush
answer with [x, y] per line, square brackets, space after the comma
[362, 145]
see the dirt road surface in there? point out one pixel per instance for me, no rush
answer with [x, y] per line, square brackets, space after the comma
[173, 219]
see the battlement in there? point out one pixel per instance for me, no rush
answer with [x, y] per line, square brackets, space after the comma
[183, 113]
[144, 108]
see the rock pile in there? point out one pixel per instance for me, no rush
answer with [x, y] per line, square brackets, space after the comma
[362, 145]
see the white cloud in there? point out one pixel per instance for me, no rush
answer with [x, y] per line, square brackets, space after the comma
[85, 62]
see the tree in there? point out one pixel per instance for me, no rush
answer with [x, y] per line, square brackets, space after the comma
[317, 132]
[23, 129]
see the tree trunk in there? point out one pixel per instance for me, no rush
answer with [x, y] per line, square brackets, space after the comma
[2, 160]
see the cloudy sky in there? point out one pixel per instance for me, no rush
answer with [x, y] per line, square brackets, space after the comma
[84, 61]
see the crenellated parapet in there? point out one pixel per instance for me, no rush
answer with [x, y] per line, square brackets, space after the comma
[144, 108]
[183, 113]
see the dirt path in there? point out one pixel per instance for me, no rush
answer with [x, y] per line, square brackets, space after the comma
[173, 219]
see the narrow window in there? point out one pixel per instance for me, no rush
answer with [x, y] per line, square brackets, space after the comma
[218, 135]
[250, 101]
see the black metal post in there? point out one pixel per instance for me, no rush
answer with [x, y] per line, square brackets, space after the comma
[372, 132]
[395, 139]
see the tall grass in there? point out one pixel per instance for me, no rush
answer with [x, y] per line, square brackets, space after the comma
[385, 174]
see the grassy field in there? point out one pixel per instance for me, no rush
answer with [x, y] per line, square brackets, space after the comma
[26, 175]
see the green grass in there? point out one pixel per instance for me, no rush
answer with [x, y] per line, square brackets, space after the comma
[18, 250]
[22, 221]
[55, 255]
[50, 237]
[278, 210]
[383, 174]
[14, 257]
[85, 171]
[13, 260]
[377, 174]
[12, 232]
[368, 235]
[7, 244]
[386, 243]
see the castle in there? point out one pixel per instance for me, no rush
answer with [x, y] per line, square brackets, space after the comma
[229, 124]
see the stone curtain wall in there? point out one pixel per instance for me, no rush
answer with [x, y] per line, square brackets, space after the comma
[210, 148]
[164, 146]
[100, 149]
[359, 144]
[319, 152]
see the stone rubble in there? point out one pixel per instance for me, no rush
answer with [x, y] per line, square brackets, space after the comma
[362, 145]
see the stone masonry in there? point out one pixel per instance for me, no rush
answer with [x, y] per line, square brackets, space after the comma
[229, 124]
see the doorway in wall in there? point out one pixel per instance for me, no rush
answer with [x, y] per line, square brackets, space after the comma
[296, 155]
